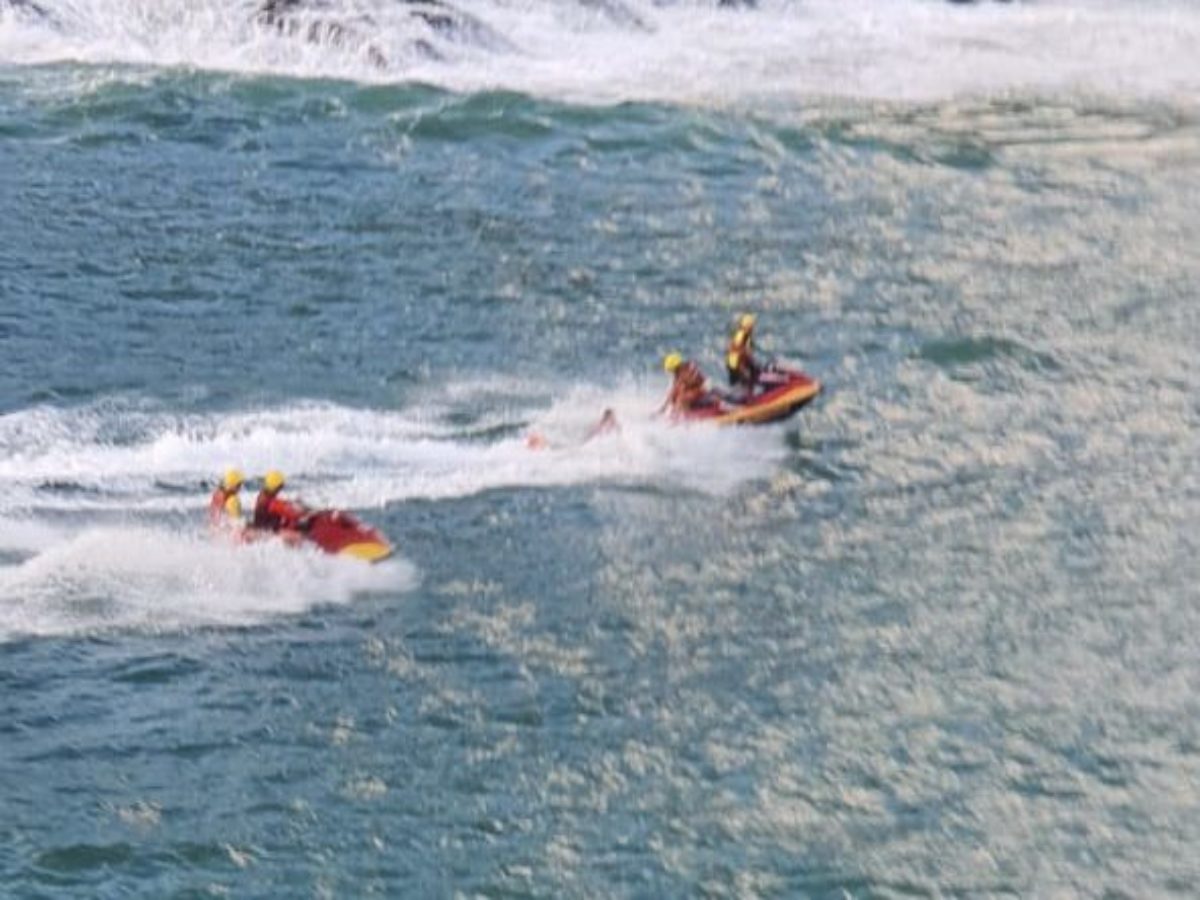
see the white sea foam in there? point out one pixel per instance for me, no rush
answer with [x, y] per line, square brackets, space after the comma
[101, 507]
[113, 458]
[689, 51]
[136, 577]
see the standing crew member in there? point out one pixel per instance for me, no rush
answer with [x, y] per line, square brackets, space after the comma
[272, 512]
[740, 363]
[225, 506]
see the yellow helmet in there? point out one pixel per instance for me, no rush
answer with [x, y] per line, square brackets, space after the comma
[273, 481]
[671, 362]
[746, 322]
[233, 480]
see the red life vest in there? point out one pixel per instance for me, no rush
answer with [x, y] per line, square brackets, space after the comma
[274, 513]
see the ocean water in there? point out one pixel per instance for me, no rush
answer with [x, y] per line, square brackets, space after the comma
[934, 636]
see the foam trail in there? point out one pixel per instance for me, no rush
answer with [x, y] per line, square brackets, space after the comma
[114, 458]
[110, 578]
[689, 51]
[101, 506]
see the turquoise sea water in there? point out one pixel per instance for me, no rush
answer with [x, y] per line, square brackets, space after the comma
[935, 636]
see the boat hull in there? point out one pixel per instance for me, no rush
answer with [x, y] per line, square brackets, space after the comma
[332, 531]
[776, 403]
[342, 534]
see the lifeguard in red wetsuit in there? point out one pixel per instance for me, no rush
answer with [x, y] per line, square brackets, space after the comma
[272, 512]
[689, 390]
[225, 506]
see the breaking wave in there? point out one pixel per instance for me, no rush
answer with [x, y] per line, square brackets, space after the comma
[690, 51]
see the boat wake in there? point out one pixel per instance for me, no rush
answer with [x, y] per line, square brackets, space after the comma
[102, 507]
[128, 459]
[109, 578]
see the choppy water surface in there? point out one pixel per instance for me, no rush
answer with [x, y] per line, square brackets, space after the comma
[934, 636]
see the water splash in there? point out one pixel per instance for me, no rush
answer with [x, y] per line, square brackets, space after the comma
[127, 458]
[106, 578]
[101, 506]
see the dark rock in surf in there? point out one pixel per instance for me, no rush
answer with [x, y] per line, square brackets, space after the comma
[290, 18]
[26, 6]
[276, 14]
[616, 12]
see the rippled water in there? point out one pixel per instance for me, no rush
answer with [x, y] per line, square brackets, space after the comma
[934, 636]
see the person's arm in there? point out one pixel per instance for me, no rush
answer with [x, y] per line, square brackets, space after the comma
[607, 423]
[284, 514]
[303, 516]
[670, 400]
